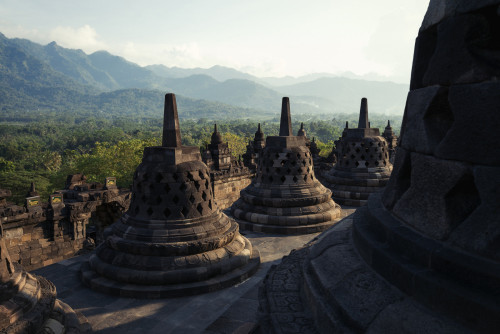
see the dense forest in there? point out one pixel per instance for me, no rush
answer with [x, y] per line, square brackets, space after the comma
[45, 147]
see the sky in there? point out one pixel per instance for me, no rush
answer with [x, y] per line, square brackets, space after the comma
[265, 38]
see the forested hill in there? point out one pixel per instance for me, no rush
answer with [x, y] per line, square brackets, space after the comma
[28, 84]
[38, 76]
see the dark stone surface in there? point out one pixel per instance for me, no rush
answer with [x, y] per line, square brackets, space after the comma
[423, 257]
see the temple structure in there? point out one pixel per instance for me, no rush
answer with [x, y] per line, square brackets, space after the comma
[424, 256]
[228, 175]
[285, 196]
[392, 141]
[29, 304]
[363, 165]
[173, 240]
[254, 149]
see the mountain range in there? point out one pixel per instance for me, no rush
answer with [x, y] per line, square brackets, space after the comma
[35, 76]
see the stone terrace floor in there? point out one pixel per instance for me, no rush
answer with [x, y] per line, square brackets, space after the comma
[231, 310]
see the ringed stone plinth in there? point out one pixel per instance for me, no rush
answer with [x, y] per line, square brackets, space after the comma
[173, 240]
[424, 255]
[285, 196]
[363, 165]
[29, 304]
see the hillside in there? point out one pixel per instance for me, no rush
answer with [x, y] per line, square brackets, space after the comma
[57, 77]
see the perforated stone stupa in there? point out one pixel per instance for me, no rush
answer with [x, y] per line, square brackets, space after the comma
[285, 196]
[424, 256]
[28, 302]
[363, 165]
[173, 240]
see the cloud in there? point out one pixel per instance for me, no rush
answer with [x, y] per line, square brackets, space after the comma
[85, 38]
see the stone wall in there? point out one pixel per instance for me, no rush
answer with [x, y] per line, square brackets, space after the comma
[227, 187]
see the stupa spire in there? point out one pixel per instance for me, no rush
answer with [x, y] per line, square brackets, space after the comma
[171, 129]
[363, 114]
[286, 120]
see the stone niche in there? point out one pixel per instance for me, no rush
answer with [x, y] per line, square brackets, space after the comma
[173, 240]
[424, 255]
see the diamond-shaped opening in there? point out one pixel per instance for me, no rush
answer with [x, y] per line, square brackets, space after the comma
[312, 177]
[197, 185]
[371, 143]
[190, 176]
[192, 199]
[185, 211]
[183, 187]
[304, 162]
[166, 212]
[379, 144]
[306, 154]
[201, 174]
[307, 169]
[204, 196]
[294, 163]
[206, 184]
[200, 208]
[149, 211]
[357, 164]
[362, 144]
[158, 178]
[357, 150]
[305, 177]
[295, 179]
[283, 178]
[210, 204]
[175, 199]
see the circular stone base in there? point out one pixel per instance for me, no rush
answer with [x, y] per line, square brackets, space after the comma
[105, 285]
[327, 287]
[288, 230]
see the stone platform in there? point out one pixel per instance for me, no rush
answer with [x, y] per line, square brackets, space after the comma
[230, 310]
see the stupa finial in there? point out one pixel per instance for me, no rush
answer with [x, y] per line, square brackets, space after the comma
[363, 114]
[286, 120]
[171, 129]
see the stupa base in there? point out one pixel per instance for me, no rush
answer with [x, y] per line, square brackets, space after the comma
[102, 284]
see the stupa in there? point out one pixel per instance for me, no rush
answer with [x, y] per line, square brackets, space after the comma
[173, 240]
[392, 141]
[424, 256]
[285, 196]
[254, 149]
[29, 304]
[363, 165]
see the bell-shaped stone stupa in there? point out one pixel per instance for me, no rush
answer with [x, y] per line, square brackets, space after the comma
[285, 196]
[363, 165]
[173, 240]
[424, 255]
